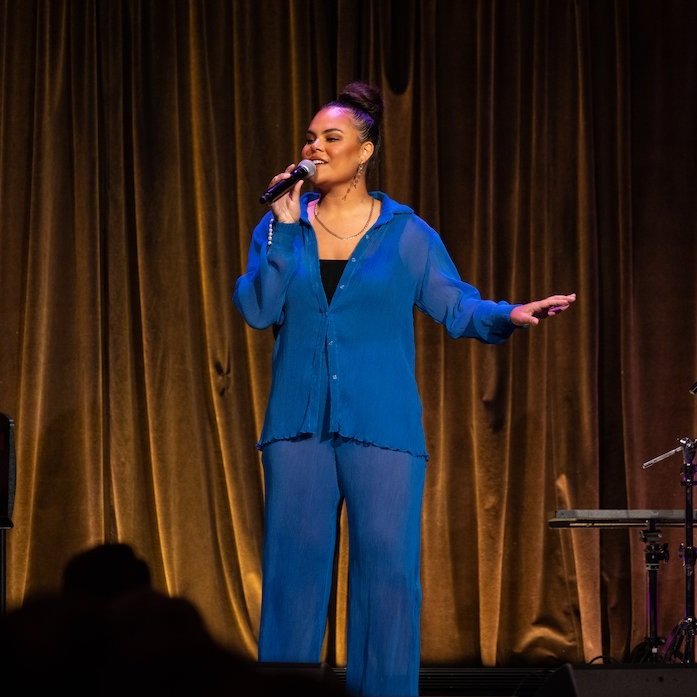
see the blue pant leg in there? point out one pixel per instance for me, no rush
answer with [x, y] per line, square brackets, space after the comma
[383, 490]
[300, 518]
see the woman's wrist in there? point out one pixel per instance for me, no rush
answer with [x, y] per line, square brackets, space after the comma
[281, 231]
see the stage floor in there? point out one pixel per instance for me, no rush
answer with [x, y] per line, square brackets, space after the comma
[597, 680]
[481, 682]
[449, 681]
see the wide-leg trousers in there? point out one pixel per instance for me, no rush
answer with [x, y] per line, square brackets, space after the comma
[306, 481]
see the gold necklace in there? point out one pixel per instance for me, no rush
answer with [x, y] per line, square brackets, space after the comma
[350, 237]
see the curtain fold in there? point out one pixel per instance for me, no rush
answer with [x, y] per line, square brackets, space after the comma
[551, 144]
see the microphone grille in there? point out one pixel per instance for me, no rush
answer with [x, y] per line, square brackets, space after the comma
[309, 166]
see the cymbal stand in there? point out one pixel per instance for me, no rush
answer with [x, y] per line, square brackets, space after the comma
[680, 645]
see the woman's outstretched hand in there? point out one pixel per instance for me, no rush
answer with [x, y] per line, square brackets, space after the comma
[530, 314]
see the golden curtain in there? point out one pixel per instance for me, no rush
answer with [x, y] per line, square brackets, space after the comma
[552, 144]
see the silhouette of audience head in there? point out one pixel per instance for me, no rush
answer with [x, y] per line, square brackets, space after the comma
[105, 572]
[108, 632]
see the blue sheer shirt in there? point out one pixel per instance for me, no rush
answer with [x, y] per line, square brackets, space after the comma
[363, 341]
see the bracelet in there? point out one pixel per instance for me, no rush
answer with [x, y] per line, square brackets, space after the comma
[269, 236]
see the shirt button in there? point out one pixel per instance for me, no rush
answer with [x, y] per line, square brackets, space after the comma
[367, 237]
[335, 377]
[331, 341]
[353, 258]
[342, 286]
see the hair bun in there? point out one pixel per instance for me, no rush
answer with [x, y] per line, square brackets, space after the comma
[365, 103]
[365, 98]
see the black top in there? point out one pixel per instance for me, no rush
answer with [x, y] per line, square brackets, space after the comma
[330, 270]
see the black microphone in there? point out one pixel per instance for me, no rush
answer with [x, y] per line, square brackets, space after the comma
[305, 169]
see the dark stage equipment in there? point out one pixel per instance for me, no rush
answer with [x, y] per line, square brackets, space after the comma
[651, 649]
[7, 494]
[622, 680]
[680, 645]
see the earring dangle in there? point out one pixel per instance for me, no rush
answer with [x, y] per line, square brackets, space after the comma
[356, 179]
[358, 174]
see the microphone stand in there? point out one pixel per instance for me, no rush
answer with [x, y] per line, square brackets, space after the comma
[680, 645]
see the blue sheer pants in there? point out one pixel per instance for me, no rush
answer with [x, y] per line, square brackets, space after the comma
[306, 481]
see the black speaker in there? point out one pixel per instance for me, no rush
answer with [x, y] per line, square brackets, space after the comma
[7, 497]
[621, 680]
[7, 470]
